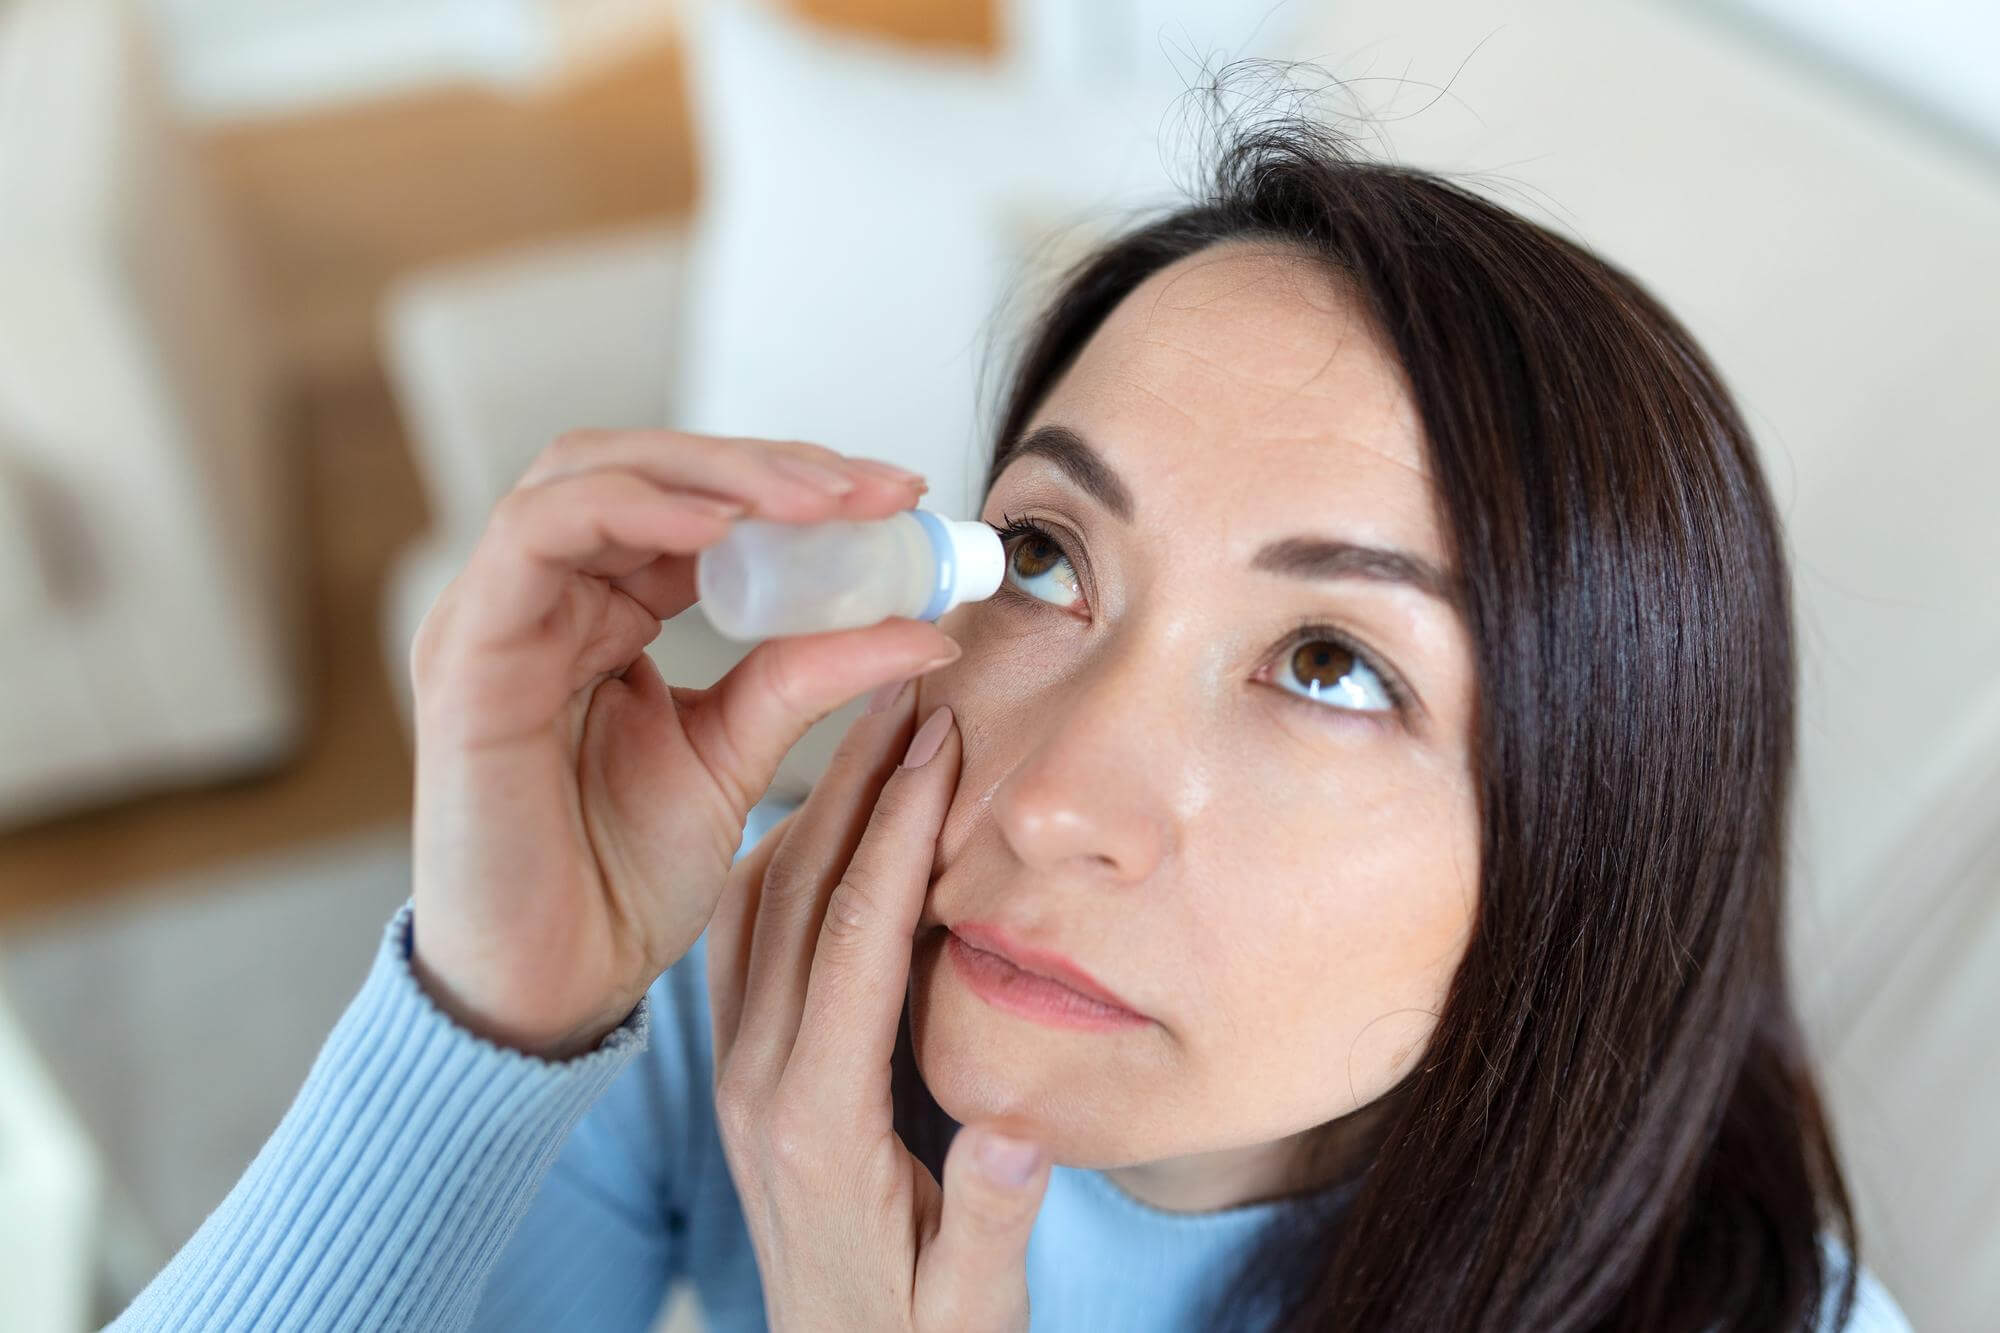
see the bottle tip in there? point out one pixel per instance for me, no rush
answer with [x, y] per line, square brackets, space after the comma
[980, 560]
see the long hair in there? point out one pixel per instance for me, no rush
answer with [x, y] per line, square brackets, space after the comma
[1613, 1125]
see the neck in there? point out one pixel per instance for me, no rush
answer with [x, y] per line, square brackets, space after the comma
[1205, 1182]
[1233, 1177]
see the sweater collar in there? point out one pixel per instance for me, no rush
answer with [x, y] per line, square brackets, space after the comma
[1099, 1258]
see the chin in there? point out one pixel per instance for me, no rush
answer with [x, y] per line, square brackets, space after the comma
[1080, 1094]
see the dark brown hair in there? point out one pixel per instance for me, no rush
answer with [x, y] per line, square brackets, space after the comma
[1613, 1125]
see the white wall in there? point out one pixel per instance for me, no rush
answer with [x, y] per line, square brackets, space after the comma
[1933, 56]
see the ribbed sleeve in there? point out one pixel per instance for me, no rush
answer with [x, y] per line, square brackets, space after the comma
[394, 1180]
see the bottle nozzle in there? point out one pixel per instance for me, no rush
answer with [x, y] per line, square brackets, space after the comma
[981, 560]
[970, 561]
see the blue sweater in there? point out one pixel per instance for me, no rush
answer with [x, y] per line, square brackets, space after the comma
[426, 1179]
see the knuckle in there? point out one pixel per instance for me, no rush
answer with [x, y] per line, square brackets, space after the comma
[785, 880]
[792, 1143]
[704, 447]
[729, 759]
[433, 647]
[808, 448]
[423, 643]
[681, 448]
[850, 916]
[510, 513]
[777, 677]
[735, 1102]
[572, 442]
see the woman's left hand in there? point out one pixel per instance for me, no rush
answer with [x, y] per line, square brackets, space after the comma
[809, 958]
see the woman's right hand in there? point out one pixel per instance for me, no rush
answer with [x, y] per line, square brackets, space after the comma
[576, 817]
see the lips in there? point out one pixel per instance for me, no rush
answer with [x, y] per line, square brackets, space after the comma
[1040, 962]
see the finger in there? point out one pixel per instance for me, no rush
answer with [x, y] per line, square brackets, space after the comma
[666, 587]
[743, 469]
[974, 1273]
[830, 824]
[784, 479]
[861, 960]
[743, 725]
[731, 467]
[729, 936]
[605, 523]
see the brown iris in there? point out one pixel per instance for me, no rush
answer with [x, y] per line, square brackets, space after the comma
[1320, 665]
[1046, 553]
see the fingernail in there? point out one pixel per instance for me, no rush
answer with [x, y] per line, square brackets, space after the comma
[1007, 1161]
[889, 470]
[929, 736]
[946, 658]
[816, 475]
[884, 696]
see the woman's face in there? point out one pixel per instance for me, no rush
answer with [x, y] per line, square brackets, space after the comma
[1186, 768]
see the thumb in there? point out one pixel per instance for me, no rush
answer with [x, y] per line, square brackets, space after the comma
[973, 1275]
[743, 725]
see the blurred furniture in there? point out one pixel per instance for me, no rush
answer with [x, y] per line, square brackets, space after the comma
[819, 292]
[147, 603]
[327, 203]
[341, 200]
[234, 59]
[50, 1197]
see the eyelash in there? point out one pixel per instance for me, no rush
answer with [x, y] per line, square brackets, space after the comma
[1308, 631]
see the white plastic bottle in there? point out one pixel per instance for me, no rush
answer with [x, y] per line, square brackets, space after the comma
[766, 578]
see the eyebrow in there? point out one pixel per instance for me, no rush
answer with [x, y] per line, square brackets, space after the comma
[1295, 557]
[1083, 464]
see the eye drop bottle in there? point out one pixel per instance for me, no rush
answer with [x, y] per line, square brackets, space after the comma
[766, 579]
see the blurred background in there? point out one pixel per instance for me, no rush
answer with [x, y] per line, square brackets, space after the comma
[291, 290]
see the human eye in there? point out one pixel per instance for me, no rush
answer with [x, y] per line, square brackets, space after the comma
[1319, 663]
[1035, 563]
[1323, 664]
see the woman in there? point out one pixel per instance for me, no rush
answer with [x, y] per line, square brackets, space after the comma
[1336, 883]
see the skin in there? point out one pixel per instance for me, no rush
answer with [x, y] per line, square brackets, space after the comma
[1123, 766]
[1283, 886]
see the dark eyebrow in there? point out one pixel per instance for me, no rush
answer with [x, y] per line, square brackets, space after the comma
[1297, 557]
[1324, 558]
[1085, 466]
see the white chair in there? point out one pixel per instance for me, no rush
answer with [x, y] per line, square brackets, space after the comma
[831, 287]
[147, 528]
[51, 1195]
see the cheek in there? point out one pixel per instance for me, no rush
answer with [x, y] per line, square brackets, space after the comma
[998, 680]
[1328, 970]
[965, 684]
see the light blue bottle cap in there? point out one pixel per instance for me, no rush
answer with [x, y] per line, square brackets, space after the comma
[970, 561]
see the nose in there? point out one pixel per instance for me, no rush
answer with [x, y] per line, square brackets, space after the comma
[1091, 794]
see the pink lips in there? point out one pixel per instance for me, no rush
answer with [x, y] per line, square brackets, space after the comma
[1033, 983]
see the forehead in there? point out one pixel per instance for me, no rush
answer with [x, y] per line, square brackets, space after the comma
[1249, 375]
